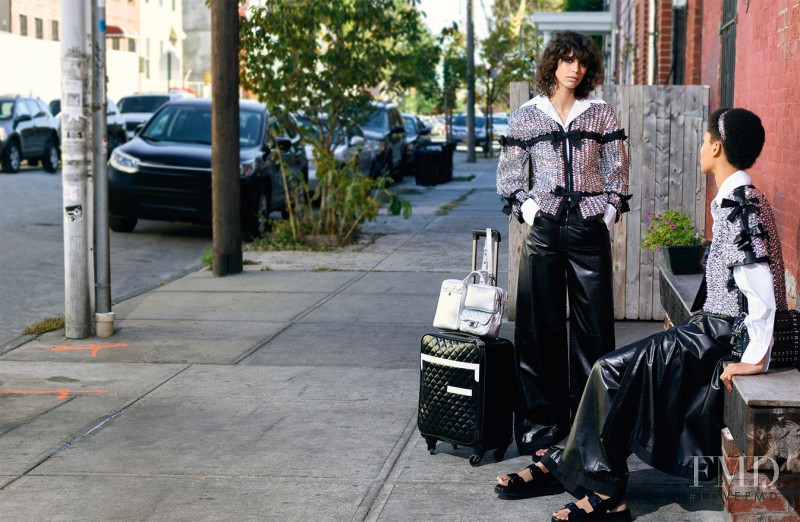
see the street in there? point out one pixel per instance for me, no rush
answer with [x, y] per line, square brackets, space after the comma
[32, 252]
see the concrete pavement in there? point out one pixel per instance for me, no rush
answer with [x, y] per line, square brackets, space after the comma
[287, 392]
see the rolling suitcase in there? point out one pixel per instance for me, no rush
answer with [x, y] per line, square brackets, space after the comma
[466, 386]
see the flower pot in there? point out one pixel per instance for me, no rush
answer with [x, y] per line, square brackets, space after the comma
[681, 259]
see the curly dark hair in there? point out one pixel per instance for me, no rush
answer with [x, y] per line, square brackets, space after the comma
[744, 135]
[563, 45]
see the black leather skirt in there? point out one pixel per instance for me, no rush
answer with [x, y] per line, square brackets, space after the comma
[659, 398]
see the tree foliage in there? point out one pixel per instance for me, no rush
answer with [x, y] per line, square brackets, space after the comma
[324, 59]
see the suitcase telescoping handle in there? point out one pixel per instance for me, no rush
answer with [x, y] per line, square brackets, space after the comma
[495, 239]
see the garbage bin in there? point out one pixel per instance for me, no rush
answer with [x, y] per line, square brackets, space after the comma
[446, 170]
[427, 164]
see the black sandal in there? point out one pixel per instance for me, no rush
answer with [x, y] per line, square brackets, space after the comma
[600, 510]
[540, 484]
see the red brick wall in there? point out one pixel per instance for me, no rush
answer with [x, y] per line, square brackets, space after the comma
[766, 77]
[694, 42]
[663, 41]
[642, 43]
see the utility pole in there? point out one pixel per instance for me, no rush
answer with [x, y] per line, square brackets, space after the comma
[470, 86]
[225, 225]
[104, 317]
[75, 166]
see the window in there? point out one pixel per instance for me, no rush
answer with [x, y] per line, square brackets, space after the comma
[131, 45]
[54, 30]
[727, 33]
[678, 68]
[39, 23]
[115, 44]
[23, 25]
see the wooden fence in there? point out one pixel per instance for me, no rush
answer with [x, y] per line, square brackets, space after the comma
[665, 127]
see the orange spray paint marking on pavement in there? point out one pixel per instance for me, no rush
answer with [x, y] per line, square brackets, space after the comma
[94, 348]
[60, 394]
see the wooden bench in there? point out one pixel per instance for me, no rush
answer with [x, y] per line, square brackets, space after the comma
[760, 459]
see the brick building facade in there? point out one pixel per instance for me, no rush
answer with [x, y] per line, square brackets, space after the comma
[765, 82]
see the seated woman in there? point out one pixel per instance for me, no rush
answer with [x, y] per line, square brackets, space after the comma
[660, 397]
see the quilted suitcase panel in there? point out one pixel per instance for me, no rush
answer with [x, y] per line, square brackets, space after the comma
[449, 404]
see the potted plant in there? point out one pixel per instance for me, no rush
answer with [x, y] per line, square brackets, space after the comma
[673, 233]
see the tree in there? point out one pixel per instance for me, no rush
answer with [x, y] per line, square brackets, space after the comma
[322, 59]
[454, 70]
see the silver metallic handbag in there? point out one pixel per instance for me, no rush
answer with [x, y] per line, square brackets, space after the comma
[451, 302]
[484, 306]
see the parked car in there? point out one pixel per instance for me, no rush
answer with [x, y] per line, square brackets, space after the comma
[417, 135]
[346, 143]
[27, 132]
[460, 130]
[499, 125]
[137, 108]
[115, 125]
[164, 172]
[385, 129]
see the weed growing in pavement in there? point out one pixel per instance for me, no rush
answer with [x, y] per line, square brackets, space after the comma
[250, 262]
[265, 268]
[207, 258]
[46, 325]
[447, 207]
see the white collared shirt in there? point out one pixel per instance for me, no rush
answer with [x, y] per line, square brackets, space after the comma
[755, 282]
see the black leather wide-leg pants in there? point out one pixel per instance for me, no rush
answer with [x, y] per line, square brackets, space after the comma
[560, 258]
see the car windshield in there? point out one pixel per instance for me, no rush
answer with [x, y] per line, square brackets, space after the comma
[461, 121]
[188, 124]
[142, 103]
[6, 109]
[377, 120]
[55, 107]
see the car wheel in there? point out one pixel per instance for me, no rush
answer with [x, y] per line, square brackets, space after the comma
[50, 159]
[122, 223]
[257, 223]
[12, 158]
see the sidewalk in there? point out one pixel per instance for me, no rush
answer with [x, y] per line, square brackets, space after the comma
[287, 392]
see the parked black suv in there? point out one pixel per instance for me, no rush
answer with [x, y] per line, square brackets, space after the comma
[385, 129]
[27, 132]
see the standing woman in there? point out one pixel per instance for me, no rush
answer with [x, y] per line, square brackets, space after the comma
[578, 190]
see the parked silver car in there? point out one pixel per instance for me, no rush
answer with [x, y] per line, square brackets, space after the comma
[460, 130]
[137, 108]
[346, 144]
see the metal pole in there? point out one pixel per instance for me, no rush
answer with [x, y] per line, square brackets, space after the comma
[225, 225]
[75, 128]
[104, 317]
[470, 86]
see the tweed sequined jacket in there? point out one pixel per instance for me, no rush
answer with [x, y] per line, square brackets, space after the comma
[585, 165]
[744, 233]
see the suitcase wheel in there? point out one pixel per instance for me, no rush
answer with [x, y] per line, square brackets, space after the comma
[475, 459]
[431, 442]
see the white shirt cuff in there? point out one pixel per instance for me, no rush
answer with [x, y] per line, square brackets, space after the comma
[529, 210]
[610, 216]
